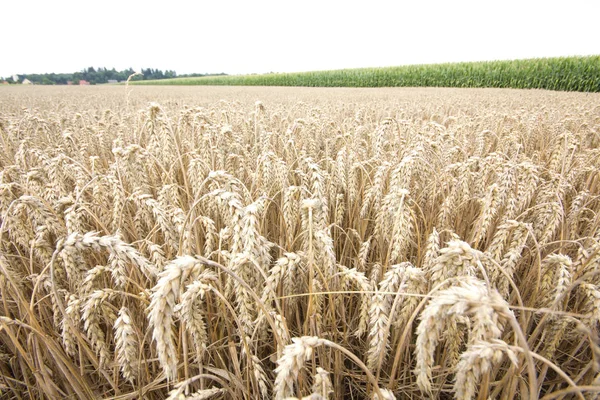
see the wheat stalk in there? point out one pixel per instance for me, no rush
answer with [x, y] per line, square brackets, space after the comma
[164, 298]
[487, 310]
[126, 347]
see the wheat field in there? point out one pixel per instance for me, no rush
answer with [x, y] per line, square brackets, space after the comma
[255, 243]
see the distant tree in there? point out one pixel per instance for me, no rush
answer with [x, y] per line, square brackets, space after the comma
[97, 76]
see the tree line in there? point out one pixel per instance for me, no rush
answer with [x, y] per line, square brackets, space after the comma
[97, 75]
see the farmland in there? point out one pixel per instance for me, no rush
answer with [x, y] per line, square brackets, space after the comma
[563, 73]
[249, 242]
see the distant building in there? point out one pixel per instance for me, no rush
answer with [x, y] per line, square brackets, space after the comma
[83, 82]
[69, 82]
[5, 82]
[113, 81]
[26, 82]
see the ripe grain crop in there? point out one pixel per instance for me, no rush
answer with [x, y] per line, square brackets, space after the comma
[243, 243]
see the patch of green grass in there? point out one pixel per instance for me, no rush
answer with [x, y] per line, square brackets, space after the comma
[562, 73]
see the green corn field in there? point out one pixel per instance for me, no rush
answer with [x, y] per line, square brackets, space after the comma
[581, 74]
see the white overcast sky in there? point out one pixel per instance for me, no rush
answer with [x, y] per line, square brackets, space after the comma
[263, 36]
